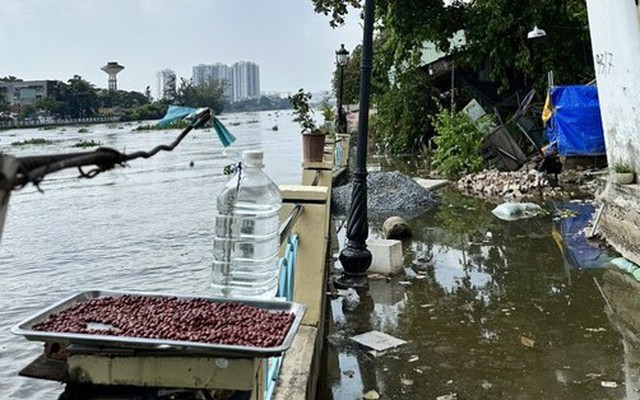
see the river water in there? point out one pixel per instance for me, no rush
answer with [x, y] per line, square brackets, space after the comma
[499, 314]
[144, 227]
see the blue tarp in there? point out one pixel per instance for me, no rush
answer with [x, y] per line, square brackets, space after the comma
[175, 113]
[576, 249]
[576, 124]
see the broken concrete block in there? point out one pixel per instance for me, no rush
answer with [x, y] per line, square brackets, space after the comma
[387, 256]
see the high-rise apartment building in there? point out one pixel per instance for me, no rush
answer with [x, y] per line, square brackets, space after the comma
[241, 80]
[246, 80]
[217, 72]
[166, 84]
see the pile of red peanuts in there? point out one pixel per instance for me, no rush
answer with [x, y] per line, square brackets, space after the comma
[170, 318]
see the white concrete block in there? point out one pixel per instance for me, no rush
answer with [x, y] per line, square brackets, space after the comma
[387, 256]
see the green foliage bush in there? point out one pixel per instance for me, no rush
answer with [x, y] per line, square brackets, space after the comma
[31, 141]
[458, 143]
[404, 111]
[87, 143]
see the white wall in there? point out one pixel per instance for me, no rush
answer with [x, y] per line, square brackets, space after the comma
[615, 37]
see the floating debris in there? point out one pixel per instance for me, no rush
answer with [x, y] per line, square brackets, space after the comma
[526, 342]
[405, 381]
[609, 384]
[371, 395]
[378, 341]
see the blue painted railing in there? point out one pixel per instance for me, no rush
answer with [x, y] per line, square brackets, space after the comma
[285, 290]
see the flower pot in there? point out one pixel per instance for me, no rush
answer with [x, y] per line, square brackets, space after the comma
[622, 178]
[313, 146]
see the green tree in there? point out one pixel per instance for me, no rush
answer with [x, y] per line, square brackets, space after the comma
[79, 96]
[120, 98]
[10, 78]
[458, 141]
[404, 111]
[4, 104]
[51, 106]
[209, 94]
[27, 111]
[496, 36]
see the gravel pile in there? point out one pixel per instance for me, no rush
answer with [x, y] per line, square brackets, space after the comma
[514, 185]
[389, 193]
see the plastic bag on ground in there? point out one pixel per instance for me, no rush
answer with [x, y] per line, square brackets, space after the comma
[516, 211]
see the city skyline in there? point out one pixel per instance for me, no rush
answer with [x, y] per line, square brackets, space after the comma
[241, 80]
[294, 46]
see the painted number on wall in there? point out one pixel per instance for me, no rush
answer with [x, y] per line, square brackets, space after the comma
[604, 62]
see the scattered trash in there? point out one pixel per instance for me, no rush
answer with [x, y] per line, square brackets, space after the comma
[609, 384]
[595, 329]
[376, 277]
[516, 211]
[418, 370]
[405, 283]
[351, 300]
[427, 305]
[526, 342]
[486, 385]
[624, 264]
[409, 274]
[450, 396]
[565, 213]
[406, 382]
[414, 358]
[371, 395]
[378, 341]
[421, 277]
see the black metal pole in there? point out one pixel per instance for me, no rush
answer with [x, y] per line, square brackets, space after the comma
[342, 119]
[355, 257]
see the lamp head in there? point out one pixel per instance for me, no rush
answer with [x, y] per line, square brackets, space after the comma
[342, 56]
[536, 33]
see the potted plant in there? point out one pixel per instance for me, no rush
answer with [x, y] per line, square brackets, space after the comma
[313, 137]
[622, 174]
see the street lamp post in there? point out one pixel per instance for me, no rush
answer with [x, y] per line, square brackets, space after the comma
[355, 257]
[342, 57]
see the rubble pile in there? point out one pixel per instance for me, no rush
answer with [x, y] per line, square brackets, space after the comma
[513, 185]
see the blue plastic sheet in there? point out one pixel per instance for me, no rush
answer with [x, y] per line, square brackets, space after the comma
[175, 113]
[578, 252]
[576, 124]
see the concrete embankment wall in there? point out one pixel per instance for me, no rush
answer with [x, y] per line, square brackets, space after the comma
[620, 221]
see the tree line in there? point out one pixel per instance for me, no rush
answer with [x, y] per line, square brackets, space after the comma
[78, 98]
[494, 44]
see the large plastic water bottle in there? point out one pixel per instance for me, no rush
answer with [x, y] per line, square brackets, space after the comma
[246, 241]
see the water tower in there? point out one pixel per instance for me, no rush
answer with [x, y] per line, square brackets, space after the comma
[112, 68]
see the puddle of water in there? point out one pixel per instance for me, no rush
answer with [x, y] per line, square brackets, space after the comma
[499, 315]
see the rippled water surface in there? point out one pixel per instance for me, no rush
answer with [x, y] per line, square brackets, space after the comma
[144, 227]
[499, 314]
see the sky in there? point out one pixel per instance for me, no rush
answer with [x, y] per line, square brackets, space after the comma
[56, 39]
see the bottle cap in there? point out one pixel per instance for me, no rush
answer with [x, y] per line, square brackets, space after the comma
[253, 158]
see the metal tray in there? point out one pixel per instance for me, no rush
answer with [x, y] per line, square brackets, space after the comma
[25, 328]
